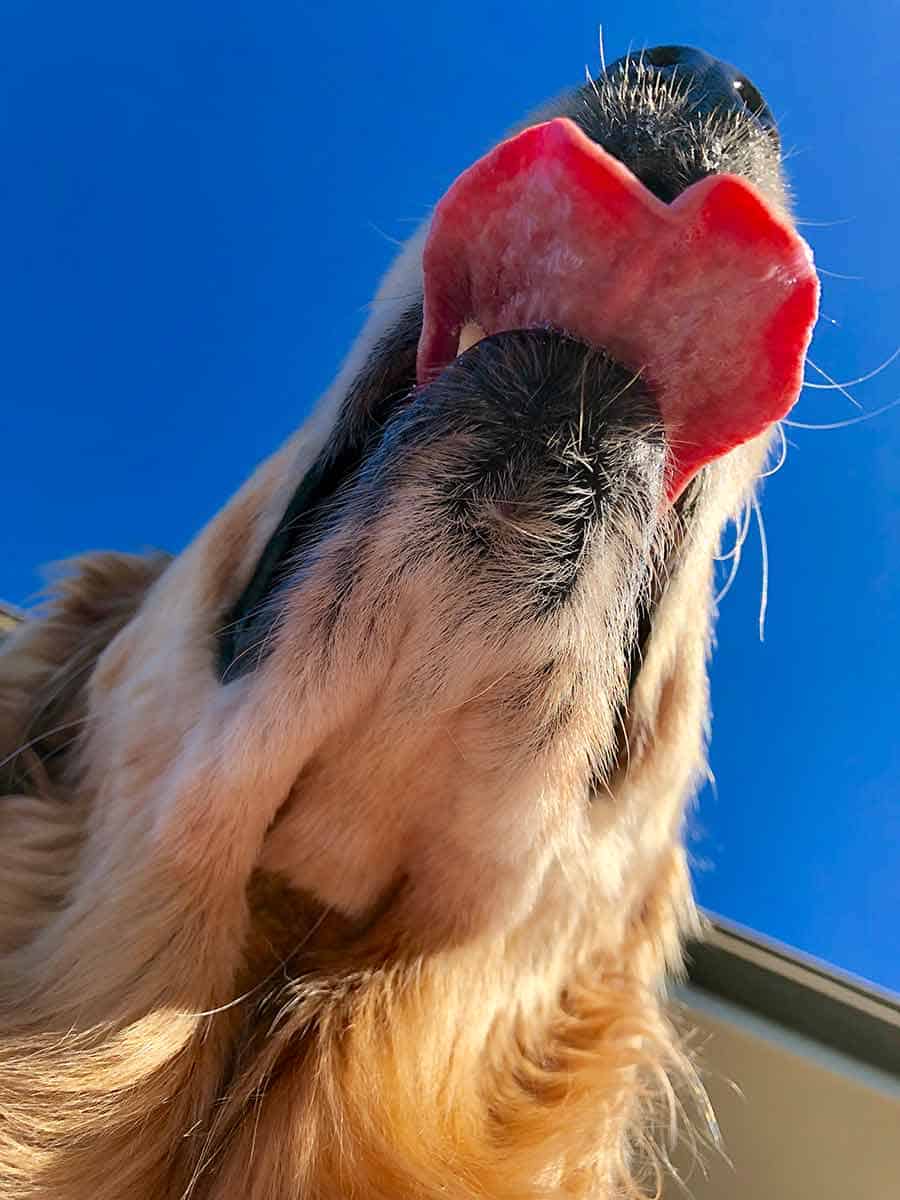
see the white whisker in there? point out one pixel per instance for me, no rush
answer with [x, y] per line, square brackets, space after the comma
[877, 412]
[837, 274]
[735, 555]
[387, 237]
[825, 224]
[832, 385]
[782, 456]
[826, 387]
[764, 554]
[46, 733]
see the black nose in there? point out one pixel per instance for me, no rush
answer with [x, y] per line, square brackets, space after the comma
[714, 85]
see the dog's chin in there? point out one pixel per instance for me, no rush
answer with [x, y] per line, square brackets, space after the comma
[521, 451]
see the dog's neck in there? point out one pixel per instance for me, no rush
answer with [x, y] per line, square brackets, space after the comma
[468, 1073]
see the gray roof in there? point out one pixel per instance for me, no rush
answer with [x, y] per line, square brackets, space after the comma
[10, 617]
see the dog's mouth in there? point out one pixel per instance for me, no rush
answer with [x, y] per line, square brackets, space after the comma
[709, 300]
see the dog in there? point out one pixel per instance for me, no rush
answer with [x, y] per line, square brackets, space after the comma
[341, 856]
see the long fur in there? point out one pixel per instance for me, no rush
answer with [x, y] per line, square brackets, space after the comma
[388, 914]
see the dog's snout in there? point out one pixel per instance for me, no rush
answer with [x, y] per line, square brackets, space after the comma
[714, 84]
[675, 115]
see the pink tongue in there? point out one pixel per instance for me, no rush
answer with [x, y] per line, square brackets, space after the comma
[712, 298]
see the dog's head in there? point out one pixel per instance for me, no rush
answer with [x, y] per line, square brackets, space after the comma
[451, 639]
[439, 668]
[472, 596]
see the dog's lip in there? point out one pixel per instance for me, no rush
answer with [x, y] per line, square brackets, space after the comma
[712, 298]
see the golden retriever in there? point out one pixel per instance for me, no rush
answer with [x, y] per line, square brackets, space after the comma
[341, 855]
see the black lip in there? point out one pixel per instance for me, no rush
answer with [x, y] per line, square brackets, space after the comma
[320, 482]
[376, 395]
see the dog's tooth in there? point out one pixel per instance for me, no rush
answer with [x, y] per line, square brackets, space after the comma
[470, 335]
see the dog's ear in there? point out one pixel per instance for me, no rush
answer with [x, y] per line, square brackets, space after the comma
[45, 665]
[47, 660]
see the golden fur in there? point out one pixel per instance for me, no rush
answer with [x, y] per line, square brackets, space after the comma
[345, 927]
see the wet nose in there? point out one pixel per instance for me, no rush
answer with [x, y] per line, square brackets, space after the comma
[713, 84]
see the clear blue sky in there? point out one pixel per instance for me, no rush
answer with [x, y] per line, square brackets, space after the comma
[197, 201]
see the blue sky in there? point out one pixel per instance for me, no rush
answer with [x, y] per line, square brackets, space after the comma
[197, 202]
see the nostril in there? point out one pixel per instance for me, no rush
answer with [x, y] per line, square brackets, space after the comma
[707, 83]
[664, 56]
[753, 100]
